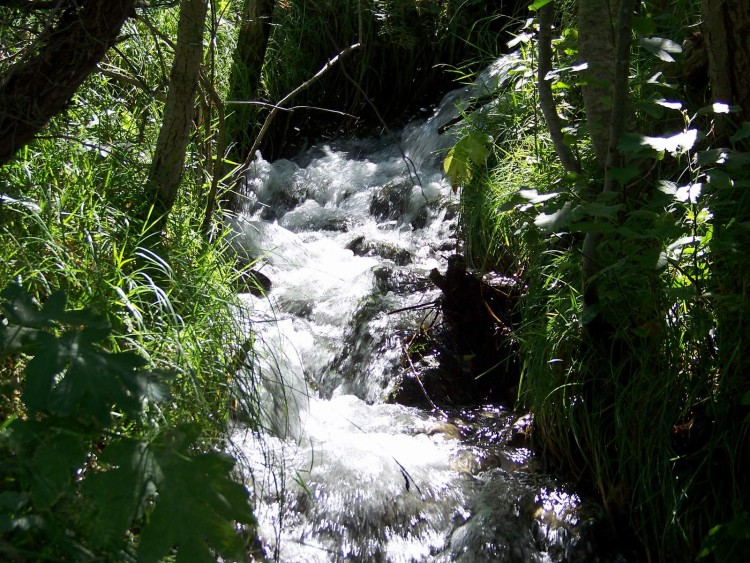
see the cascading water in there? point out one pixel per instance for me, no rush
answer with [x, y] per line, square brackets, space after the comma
[348, 233]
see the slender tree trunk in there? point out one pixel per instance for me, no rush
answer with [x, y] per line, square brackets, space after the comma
[169, 156]
[546, 100]
[596, 47]
[726, 29]
[43, 83]
[249, 55]
[617, 108]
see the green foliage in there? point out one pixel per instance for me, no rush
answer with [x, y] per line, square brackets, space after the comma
[730, 541]
[656, 423]
[75, 395]
[470, 151]
[117, 354]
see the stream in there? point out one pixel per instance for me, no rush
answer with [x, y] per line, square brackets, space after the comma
[348, 232]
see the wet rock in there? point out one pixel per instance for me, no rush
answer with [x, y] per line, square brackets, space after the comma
[385, 249]
[520, 432]
[397, 280]
[391, 201]
[477, 360]
[445, 429]
[252, 281]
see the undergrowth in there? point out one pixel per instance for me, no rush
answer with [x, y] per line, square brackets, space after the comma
[118, 351]
[656, 425]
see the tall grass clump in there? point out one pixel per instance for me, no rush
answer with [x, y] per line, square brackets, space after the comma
[655, 423]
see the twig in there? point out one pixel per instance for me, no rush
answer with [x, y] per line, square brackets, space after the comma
[414, 307]
[419, 380]
[290, 109]
[269, 118]
[133, 81]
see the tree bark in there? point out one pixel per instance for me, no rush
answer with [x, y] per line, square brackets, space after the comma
[249, 55]
[42, 84]
[596, 47]
[546, 100]
[592, 265]
[726, 29]
[171, 146]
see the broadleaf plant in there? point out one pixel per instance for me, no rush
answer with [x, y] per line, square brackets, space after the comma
[87, 473]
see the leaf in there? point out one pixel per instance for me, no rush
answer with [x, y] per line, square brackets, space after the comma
[41, 372]
[71, 374]
[554, 221]
[54, 466]
[456, 168]
[661, 47]
[742, 133]
[198, 503]
[119, 495]
[532, 196]
[467, 152]
[674, 144]
[17, 339]
[597, 209]
[644, 25]
[21, 310]
[97, 380]
[539, 4]
[624, 174]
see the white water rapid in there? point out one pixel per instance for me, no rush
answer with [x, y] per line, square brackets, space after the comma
[348, 232]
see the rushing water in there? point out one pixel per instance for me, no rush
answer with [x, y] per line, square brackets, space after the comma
[348, 233]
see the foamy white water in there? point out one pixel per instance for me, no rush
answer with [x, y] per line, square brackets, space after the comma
[348, 233]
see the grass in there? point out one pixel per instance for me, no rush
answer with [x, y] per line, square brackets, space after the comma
[68, 221]
[651, 424]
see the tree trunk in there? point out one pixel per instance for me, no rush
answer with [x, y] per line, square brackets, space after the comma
[596, 47]
[617, 108]
[726, 29]
[43, 83]
[546, 100]
[249, 55]
[169, 156]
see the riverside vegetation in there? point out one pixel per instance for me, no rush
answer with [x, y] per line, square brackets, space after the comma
[121, 330]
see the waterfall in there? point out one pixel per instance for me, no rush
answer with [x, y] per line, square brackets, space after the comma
[348, 232]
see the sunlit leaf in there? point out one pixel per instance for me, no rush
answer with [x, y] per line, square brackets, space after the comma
[539, 4]
[671, 104]
[661, 47]
[674, 144]
[554, 221]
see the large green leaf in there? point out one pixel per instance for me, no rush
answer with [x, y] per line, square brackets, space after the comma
[54, 465]
[119, 495]
[198, 503]
[470, 151]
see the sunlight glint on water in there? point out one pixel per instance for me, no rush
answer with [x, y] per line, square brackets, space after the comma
[347, 234]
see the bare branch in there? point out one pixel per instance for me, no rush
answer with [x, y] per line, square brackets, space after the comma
[304, 86]
[546, 101]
